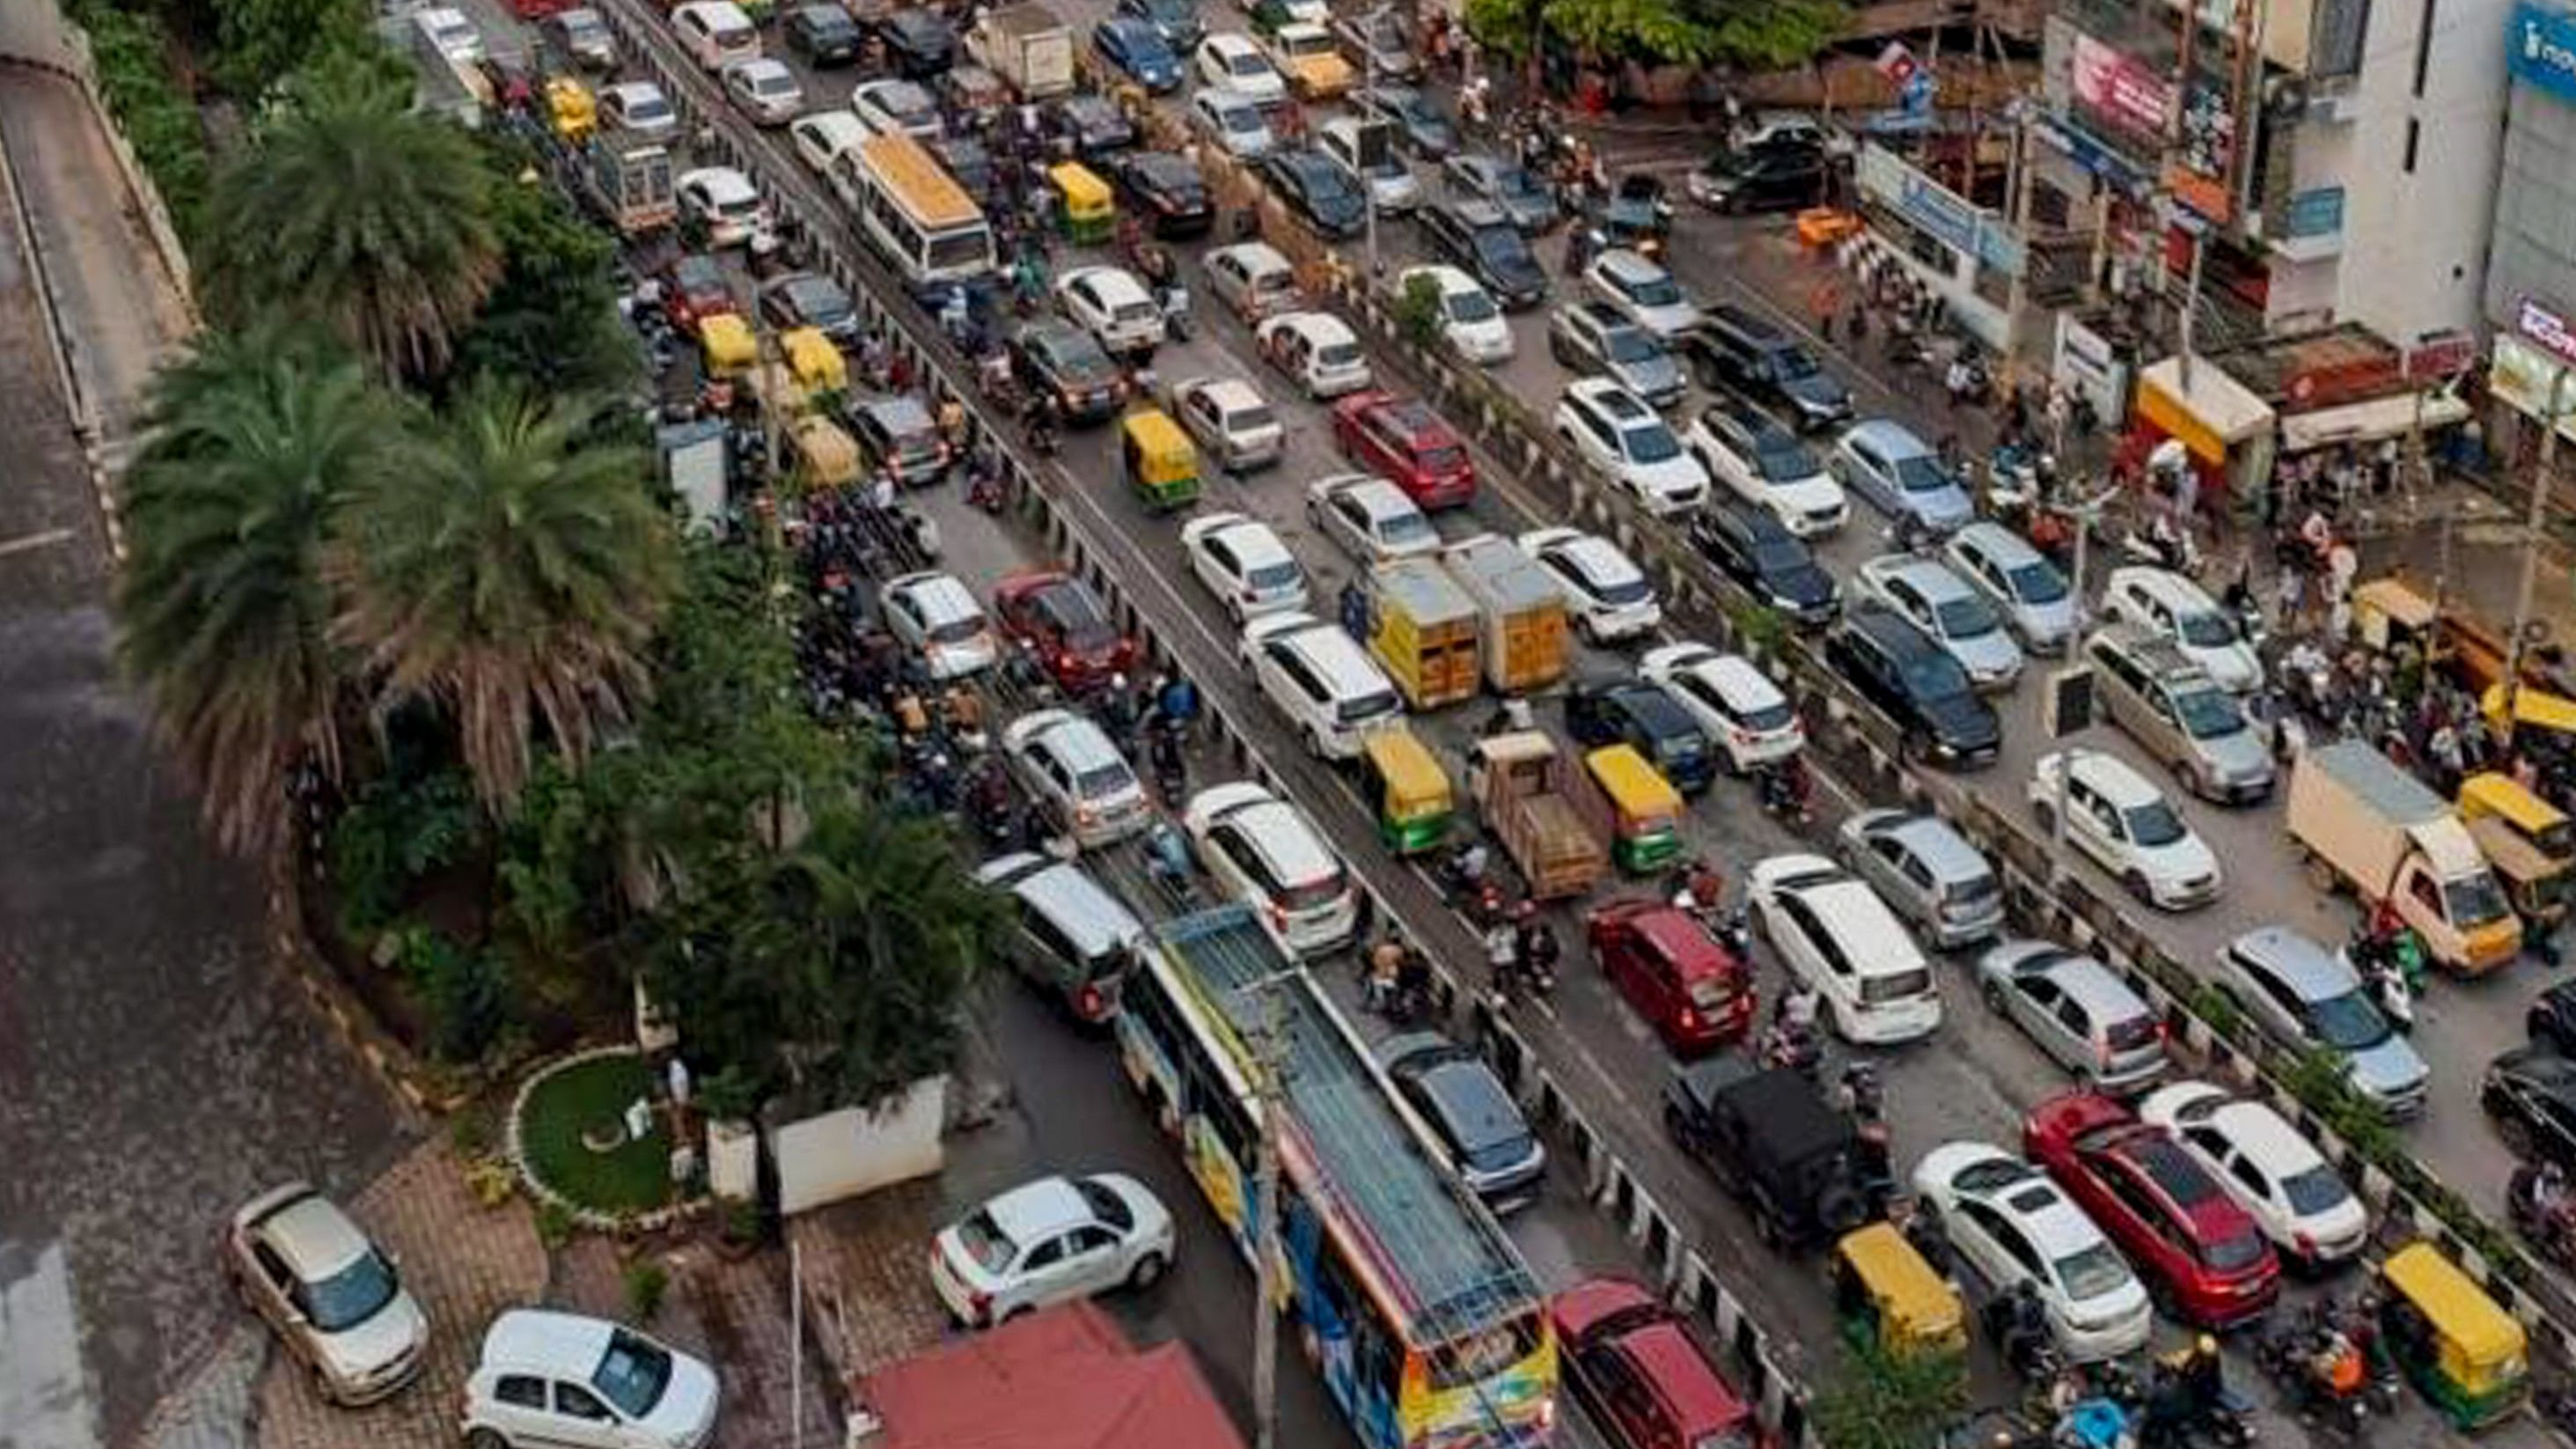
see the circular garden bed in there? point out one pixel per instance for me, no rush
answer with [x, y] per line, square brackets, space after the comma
[568, 1134]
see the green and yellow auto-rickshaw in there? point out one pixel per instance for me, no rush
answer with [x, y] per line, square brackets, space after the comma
[1090, 210]
[1157, 460]
[1400, 776]
[2465, 1354]
[820, 453]
[2530, 842]
[1645, 810]
[1886, 1294]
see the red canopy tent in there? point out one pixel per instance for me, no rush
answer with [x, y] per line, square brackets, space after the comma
[1064, 1378]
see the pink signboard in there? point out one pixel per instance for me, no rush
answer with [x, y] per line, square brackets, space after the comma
[2122, 90]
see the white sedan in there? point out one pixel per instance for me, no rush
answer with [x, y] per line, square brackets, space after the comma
[1735, 703]
[1051, 1241]
[724, 203]
[765, 89]
[1372, 519]
[1114, 307]
[1267, 855]
[2118, 817]
[1606, 591]
[1470, 322]
[2306, 1208]
[1230, 61]
[1228, 419]
[2013, 1226]
[1244, 564]
[937, 615]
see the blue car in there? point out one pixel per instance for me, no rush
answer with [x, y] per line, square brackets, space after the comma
[1899, 474]
[1136, 50]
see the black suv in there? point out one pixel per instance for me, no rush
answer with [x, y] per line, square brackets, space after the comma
[1064, 362]
[810, 299]
[1479, 238]
[1634, 713]
[1748, 544]
[1327, 196]
[1490, 1143]
[918, 42]
[1167, 191]
[1901, 671]
[2531, 1093]
[1735, 349]
[1770, 1138]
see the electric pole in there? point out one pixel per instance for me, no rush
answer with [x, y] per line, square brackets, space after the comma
[1270, 1086]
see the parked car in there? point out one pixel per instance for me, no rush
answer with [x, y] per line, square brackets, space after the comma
[1243, 563]
[1229, 420]
[1262, 851]
[1774, 1141]
[1900, 476]
[1765, 462]
[2080, 1014]
[824, 34]
[1643, 291]
[1738, 707]
[2178, 714]
[1051, 1241]
[1528, 202]
[2013, 1226]
[2309, 999]
[2120, 819]
[1749, 546]
[1481, 239]
[1406, 442]
[1916, 681]
[1623, 711]
[936, 616]
[2196, 1248]
[1834, 934]
[2182, 611]
[1069, 935]
[2294, 1195]
[1489, 1144]
[1072, 769]
[1927, 872]
[1470, 322]
[1770, 178]
[1635, 1366]
[1939, 603]
[1604, 589]
[1371, 518]
[1134, 48]
[1591, 336]
[1737, 350]
[551, 1380]
[1693, 991]
[1327, 197]
[1060, 622]
[1232, 121]
[1616, 432]
[334, 1298]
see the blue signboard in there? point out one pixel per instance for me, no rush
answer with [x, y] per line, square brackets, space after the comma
[2541, 49]
[2315, 213]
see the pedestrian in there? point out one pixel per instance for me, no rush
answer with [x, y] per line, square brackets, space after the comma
[2293, 596]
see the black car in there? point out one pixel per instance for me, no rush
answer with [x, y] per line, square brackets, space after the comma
[1093, 125]
[1766, 178]
[1480, 239]
[823, 34]
[1529, 202]
[1732, 348]
[1418, 125]
[1750, 546]
[810, 299]
[1896, 667]
[965, 159]
[1063, 362]
[1316, 189]
[919, 43]
[1167, 191]
[1177, 21]
[2551, 1019]
[1770, 1138]
[1490, 1144]
[2530, 1092]
[1641, 715]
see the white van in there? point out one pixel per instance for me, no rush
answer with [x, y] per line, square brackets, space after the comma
[1318, 676]
[1837, 936]
[716, 32]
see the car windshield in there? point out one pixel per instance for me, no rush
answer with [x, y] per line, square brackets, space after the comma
[2314, 1191]
[1624, 591]
[647, 110]
[2205, 630]
[1471, 307]
[1077, 618]
[2473, 900]
[2347, 1022]
[632, 1374]
[1780, 555]
[956, 631]
[2037, 582]
[1360, 708]
[2089, 1274]
[1791, 363]
[1105, 1203]
[1931, 676]
[1784, 461]
[351, 1296]
[1774, 716]
[1920, 473]
[1627, 344]
[1241, 120]
[1250, 420]
[2152, 824]
[1282, 575]
[1338, 354]
[1650, 443]
[2231, 1255]
[2209, 714]
[1445, 459]
[1247, 63]
[982, 1239]
[1399, 529]
[1655, 291]
[1967, 616]
[1135, 312]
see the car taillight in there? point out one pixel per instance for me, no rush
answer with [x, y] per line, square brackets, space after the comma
[1688, 1020]
[980, 1306]
[1278, 914]
[2306, 1245]
[1089, 1002]
[1546, 1415]
[1084, 815]
[1065, 663]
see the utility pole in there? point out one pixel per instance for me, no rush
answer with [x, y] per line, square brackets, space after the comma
[1270, 1086]
[2083, 515]
[2531, 525]
[1368, 188]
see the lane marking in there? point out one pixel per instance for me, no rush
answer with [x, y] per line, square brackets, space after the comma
[30, 542]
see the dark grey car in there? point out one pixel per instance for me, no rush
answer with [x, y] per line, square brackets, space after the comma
[1592, 336]
[1490, 1144]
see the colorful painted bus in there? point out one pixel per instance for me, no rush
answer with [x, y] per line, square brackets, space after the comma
[1423, 1321]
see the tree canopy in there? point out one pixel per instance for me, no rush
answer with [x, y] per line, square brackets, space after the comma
[1751, 34]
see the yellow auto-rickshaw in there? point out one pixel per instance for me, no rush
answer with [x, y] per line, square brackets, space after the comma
[816, 364]
[2466, 1355]
[570, 106]
[1886, 1295]
[821, 453]
[2530, 842]
[727, 346]
[1156, 459]
[1090, 211]
[1645, 810]
[1399, 775]
[2532, 708]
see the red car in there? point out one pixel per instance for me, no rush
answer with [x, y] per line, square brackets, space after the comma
[1403, 439]
[2203, 1256]
[1059, 621]
[1694, 991]
[1634, 1364]
[694, 287]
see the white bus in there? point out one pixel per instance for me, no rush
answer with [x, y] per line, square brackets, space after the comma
[914, 214]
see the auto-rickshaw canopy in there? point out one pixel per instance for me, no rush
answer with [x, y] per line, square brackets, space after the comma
[569, 104]
[1086, 196]
[1636, 789]
[1158, 459]
[1415, 783]
[727, 344]
[2536, 707]
[825, 451]
[2385, 609]
[2477, 1337]
[812, 359]
[1915, 1309]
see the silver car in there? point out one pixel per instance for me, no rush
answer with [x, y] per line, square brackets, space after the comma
[1898, 474]
[1953, 615]
[2037, 604]
[2309, 999]
[1642, 292]
[1592, 336]
[2164, 701]
[1927, 872]
[2078, 1011]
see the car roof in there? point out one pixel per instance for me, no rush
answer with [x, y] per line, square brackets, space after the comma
[1891, 630]
[1890, 438]
[1930, 577]
[2115, 778]
[721, 183]
[1230, 43]
[1079, 906]
[1116, 285]
[1253, 541]
[539, 1340]
[1256, 256]
[1595, 557]
[942, 597]
[1854, 912]
[2262, 1134]
[1039, 1209]
[1379, 497]
[1475, 211]
[1935, 841]
[1671, 931]
[2165, 584]
[313, 1236]
[1735, 677]
[2007, 548]
[1628, 264]
[2038, 1205]
[1228, 393]
[1295, 852]
[2088, 981]
[2303, 965]
[1080, 741]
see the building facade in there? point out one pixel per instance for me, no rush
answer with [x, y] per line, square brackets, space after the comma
[2532, 257]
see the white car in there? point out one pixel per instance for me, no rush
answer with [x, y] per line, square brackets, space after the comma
[1244, 564]
[723, 202]
[1736, 704]
[1066, 761]
[1643, 292]
[1764, 462]
[1316, 349]
[1331, 690]
[2302, 1204]
[1230, 422]
[2182, 611]
[561, 1381]
[1834, 933]
[451, 34]
[1617, 433]
[1372, 519]
[1267, 855]
[2115, 815]
[1470, 323]
[1114, 307]
[1051, 1241]
[2014, 1226]
[1604, 588]
[1253, 279]
[1230, 61]
[897, 108]
[335, 1299]
[1949, 613]
[640, 109]
[1231, 121]
[938, 615]
[823, 135]
[765, 89]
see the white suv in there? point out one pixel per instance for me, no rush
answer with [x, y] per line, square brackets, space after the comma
[1744, 713]
[1617, 433]
[557, 1379]
[1269, 857]
[1768, 465]
[1834, 933]
[2126, 824]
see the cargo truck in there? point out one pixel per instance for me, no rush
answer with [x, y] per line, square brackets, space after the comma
[1525, 645]
[1520, 783]
[1418, 623]
[627, 181]
[1027, 45]
[2358, 820]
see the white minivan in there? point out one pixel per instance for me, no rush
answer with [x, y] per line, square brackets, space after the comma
[1270, 858]
[1318, 676]
[1837, 936]
[716, 33]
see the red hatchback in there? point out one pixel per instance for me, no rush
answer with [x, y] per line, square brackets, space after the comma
[1059, 622]
[1403, 439]
[1635, 1366]
[694, 287]
[2201, 1255]
[1696, 993]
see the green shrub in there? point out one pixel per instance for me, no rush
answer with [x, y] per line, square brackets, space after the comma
[554, 1225]
[132, 51]
[646, 1283]
[463, 992]
[1417, 311]
[392, 834]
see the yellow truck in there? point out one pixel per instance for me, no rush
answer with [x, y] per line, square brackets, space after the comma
[1525, 644]
[1419, 624]
[1520, 784]
[2359, 821]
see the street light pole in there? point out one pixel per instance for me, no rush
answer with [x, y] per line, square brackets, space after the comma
[2531, 525]
[1368, 77]
[1269, 1059]
[2083, 515]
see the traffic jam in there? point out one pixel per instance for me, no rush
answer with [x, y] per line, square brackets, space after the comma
[1493, 768]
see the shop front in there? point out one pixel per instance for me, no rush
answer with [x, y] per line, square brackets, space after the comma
[1963, 253]
[2531, 375]
[2223, 425]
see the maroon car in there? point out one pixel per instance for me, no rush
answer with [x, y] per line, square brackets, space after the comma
[2200, 1253]
[1061, 624]
[1635, 1365]
[694, 287]
[1404, 440]
[1692, 990]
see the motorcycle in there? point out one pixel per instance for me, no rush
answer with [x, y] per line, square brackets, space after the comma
[1167, 864]
[1786, 792]
[2161, 545]
[2551, 1227]
[984, 492]
[2321, 1370]
[2018, 1325]
[1175, 302]
[1793, 1044]
[1469, 885]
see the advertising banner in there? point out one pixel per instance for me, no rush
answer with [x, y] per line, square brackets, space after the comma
[2541, 49]
[2523, 376]
[1943, 214]
[2207, 150]
[2125, 93]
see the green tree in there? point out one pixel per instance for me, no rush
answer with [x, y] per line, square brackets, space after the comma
[372, 222]
[552, 317]
[259, 42]
[1771, 34]
[132, 51]
[510, 575]
[1879, 1400]
[223, 610]
[1657, 30]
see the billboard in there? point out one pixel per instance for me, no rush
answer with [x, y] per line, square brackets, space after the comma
[2125, 93]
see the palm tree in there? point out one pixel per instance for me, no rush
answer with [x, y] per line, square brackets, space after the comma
[223, 612]
[512, 573]
[369, 220]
